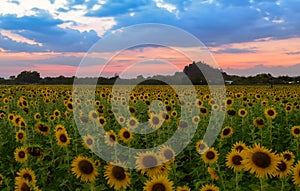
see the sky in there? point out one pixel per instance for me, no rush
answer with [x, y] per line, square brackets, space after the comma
[53, 36]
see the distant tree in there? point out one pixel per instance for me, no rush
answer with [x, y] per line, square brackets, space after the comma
[28, 77]
[12, 77]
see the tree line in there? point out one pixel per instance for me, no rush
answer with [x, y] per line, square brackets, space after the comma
[197, 73]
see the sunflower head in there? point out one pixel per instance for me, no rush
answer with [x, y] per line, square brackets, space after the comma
[183, 188]
[295, 131]
[288, 156]
[125, 135]
[259, 122]
[158, 183]
[167, 153]
[84, 168]
[111, 138]
[27, 174]
[209, 187]
[62, 138]
[21, 154]
[270, 113]
[210, 156]
[21, 136]
[88, 141]
[234, 160]
[117, 176]
[201, 147]
[226, 132]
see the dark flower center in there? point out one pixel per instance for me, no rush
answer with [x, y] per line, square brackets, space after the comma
[168, 154]
[297, 131]
[43, 128]
[149, 161]
[27, 177]
[132, 122]
[239, 148]
[21, 154]
[287, 157]
[63, 138]
[158, 187]
[85, 167]
[89, 141]
[112, 138]
[270, 112]
[119, 173]
[282, 166]
[25, 187]
[210, 155]
[226, 131]
[236, 160]
[155, 120]
[20, 135]
[126, 134]
[261, 159]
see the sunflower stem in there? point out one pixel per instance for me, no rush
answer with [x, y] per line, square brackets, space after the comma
[282, 185]
[236, 181]
[261, 184]
[221, 177]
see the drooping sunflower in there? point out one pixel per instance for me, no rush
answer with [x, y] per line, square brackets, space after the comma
[209, 187]
[183, 188]
[288, 156]
[42, 128]
[27, 174]
[283, 168]
[260, 161]
[201, 147]
[270, 113]
[88, 141]
[21, 154]
[213, 173]
[111, 138]
[295, 131]
[234, 160]
[158, 183]
[148, 162]
[259, 122]
[62, 138]
[210, 156]
[231, 112]
[125, 135]
[226, 132]
[20, 135]
[296, 174]
[167, 154]
[242, 112]
[84, 168]
[22, 185]
[117, 177]
[132, 123]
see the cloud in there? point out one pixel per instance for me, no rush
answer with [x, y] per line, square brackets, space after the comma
[234, 51]
[44, 29]
[293, 53]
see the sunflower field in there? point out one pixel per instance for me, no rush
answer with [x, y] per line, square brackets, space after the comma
[257, 147]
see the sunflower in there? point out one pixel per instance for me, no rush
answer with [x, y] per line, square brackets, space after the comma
[84, 168]
[288, 156]
[283, 168]
[209, 187]
[183, 188]
[231, 112]
[229, 102]
[203, 110]
[22, 185]
[42, 128]
[37, 116]
[234, 160]
[201, 146]
[259, 122]
[27, 174]
[21, 154]
[270, 113]
[59, 128]
[210, 156]
[117, 177]
[62, 138]
[36, 151]
[121, 120]
[213, 174]
[158, 183]
[296, 174]
[242, 112]
[88, 141]
[111, 138]
[93, 115]
[125, 135]
[155, 121]
[56, 113]
[260, 161]
[20, 135]
[295, 131]
[196, 119]
[149, 163]
[10, 117]
[226, 132]
[132, 123]
[288, 108]
[167, 154]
